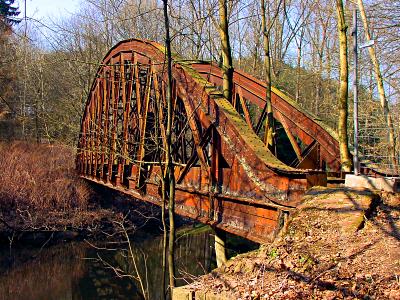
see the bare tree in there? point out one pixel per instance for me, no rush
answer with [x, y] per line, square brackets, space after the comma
[168, 152]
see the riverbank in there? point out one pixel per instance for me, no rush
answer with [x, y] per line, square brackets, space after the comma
[43, 200]
[102, 218]
[340, 244]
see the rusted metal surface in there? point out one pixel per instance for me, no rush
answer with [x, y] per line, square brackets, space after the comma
[225, 175]
[301, 127]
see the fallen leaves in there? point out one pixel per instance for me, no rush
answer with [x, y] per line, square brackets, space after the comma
[318, 260]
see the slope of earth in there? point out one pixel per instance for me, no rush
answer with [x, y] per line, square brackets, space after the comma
[340, 244]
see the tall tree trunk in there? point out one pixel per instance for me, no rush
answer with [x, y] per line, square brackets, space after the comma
[226, 53]
[269, 137]
[164, 225]
[343, 89]
[168, 153]
[25, 45]
[298, 71]
[319, 87]
[381, 89]
[255, 58]
[240, 40]
[278, 38]
[227, 85]
[37, 107]
[158, 108]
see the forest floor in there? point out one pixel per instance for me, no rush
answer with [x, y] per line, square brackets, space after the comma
[340, 244]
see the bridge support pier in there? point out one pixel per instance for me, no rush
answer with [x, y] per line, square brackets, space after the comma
[220, 250]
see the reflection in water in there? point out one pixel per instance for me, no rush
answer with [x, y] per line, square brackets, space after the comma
[64, 272]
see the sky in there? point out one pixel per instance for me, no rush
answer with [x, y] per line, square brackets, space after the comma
[43, 9]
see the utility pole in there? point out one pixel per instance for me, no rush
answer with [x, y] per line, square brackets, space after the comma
[369, 43]
[381, 89]
[356, 161]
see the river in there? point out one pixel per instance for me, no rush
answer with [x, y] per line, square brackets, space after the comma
[77, 270]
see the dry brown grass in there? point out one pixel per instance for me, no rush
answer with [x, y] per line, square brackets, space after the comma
[40, 178]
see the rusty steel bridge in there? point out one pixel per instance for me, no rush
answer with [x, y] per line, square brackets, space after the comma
[225, 175]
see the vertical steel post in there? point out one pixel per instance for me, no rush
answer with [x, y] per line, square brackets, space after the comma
[355, 93]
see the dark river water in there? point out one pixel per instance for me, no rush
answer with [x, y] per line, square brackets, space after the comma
[77, 270]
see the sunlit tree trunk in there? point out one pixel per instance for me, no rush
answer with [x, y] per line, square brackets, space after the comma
[227, 69]
[298, 70]
[343, 88]
[269, 122]
[226, 53]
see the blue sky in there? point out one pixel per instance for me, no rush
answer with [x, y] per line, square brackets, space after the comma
[42, 9]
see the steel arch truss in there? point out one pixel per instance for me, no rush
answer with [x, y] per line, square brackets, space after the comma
[314, 145]
[225, 175]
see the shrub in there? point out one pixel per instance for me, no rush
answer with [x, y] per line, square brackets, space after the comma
[40, 178]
